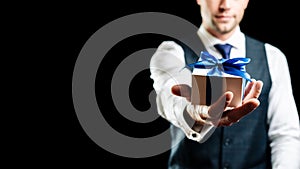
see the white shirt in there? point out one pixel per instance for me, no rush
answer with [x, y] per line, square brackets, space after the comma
[284, 131]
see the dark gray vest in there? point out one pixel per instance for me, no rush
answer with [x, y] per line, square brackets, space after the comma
[243, 145]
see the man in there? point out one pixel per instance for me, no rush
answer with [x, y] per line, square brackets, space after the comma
[263, 132]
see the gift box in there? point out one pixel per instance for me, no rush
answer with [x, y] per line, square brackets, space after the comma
[207, 89]
[212, 77]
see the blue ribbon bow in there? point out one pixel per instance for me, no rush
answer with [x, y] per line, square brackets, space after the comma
[235, 66]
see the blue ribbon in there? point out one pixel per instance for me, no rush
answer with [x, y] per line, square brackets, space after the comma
[235, 66]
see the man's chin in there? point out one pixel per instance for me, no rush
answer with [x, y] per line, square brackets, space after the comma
[225, 28]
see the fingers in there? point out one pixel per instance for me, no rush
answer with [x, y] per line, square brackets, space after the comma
[182, 90]
[198, 113]
[249, 87]
[258, 88]
[217, 117]
[250, 103]
[253, 89]
[232, 116]
[215, 114]
[225, 122]
[236, 114]
[217, 108]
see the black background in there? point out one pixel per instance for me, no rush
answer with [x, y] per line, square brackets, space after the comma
[60, 30]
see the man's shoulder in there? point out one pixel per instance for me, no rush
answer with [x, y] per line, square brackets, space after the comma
[253, 39]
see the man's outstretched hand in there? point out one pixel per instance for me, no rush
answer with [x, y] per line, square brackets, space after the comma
[219, 114]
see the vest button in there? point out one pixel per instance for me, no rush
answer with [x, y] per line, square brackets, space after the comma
[226, 166]
[227, 142]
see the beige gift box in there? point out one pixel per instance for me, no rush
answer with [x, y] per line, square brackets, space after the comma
[207, 89]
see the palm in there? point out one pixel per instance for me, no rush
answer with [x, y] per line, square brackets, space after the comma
[219, 112]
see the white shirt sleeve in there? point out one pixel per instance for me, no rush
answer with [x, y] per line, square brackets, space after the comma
[167, 69]
[283, 118]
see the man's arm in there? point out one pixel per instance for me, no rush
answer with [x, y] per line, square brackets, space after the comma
[166, 68]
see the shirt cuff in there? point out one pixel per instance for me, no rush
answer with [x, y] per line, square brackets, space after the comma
[200, 136]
